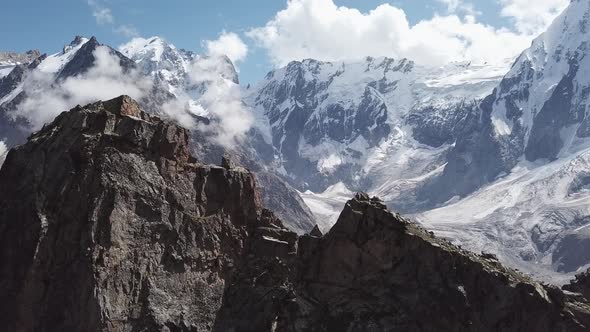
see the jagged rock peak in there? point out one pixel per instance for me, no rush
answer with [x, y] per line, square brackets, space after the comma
[123, 105]
[78, 40]
[581, 284]
[14, 58]
[316, 232]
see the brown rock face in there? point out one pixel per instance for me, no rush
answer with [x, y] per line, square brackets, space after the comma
[108, 224]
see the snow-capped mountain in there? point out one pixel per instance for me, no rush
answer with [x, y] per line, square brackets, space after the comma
[370, 123]
[507, 173]
[534, 128]
[183, 74]
[38, 78]
[536, 112]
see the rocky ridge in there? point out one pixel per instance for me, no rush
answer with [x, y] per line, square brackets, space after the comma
[119, 228]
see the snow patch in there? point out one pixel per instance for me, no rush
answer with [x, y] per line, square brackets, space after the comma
[5, 70]
[326, 206]
[55, 62]
[3, 152]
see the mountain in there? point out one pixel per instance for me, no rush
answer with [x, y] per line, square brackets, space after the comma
[537, 112]
[367, 124]
[119, 228]
[164, 61]
[490, 155]
[380, 125]
[42, 73]
[167, 81]
[531, 144]
[9, 60]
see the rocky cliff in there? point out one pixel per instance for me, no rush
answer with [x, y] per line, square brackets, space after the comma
[108, 224]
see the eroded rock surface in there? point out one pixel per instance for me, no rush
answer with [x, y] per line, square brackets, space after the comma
[108, 224]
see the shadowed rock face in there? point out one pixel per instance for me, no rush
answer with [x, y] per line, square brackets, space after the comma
[375, 271]
[581, 285]
[108, 224]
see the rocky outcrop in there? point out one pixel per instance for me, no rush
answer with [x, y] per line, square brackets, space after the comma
[375, 271]
[581, 284]
[107, 223]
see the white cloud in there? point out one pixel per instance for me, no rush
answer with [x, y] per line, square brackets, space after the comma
[101, 14]
[321, 30]
[532, 17]
[104, 16]
[105, 80]
[459, 6]
[229, 44]
[3, 152]
[127, 30]
[221, 101]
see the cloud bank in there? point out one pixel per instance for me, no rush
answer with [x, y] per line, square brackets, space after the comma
[220, 102]
[532, 17]
[322, 30]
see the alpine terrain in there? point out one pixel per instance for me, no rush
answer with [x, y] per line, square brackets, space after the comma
[143, 187]
[109, 224]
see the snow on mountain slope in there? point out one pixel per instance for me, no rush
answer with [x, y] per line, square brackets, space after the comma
[538, 214]
[536, 111]
[56, 62]
[9, 60]
[48, 66]
[531, 145]
[327, 205]
[184, 74]
[552, 87]
[5, 70]
[368, 123]
[160, 60]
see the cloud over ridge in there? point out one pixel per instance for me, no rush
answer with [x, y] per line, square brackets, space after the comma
[322, 30]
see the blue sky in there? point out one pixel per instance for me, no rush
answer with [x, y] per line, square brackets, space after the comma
[48, 25]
